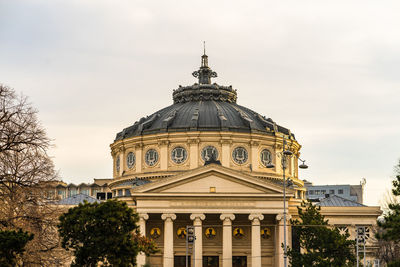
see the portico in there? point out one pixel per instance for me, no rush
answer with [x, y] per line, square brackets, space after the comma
[228, 224]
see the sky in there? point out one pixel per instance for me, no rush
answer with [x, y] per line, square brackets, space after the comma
[327, 70]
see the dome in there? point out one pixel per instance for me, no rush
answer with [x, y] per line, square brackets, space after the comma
[203, 107]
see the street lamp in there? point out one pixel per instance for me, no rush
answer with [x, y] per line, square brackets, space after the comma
[286, 153]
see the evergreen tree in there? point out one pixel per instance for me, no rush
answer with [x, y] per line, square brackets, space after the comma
[390, 223]
[319, 245]
[103, 233]
[12, 245]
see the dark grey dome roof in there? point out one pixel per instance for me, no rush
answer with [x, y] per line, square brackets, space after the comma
[203, 107]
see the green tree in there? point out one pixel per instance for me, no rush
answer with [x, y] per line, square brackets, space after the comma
[389, 224]
[12, 245]
[319, 245]
[103, 233]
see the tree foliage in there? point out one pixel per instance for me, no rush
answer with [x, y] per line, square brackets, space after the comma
[103, 233]
[318, 244]
[12, 244]
[389, 225]
[25, 170]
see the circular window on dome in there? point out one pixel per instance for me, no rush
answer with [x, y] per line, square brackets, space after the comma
[265, 157]
[240, 155]
[130, 160]
[117, 164]
[178, 155]
[151, 157]
[208, 153]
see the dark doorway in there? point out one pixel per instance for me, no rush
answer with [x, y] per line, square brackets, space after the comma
[210, 261]
[239, 261]
[180, 261]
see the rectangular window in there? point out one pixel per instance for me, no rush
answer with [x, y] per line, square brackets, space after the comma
[239, 261]
[127, 192]
[211, 261]
[331, 191]
[311, 192]
[317, 192]
[323, 192]
[340, 191]
[180, 261]
[120, 192]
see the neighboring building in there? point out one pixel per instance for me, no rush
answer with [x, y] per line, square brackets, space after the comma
[350, 192]
[203, 161]
[98, 189]
[77, 199]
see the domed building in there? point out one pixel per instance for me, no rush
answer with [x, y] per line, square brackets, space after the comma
[207, 162]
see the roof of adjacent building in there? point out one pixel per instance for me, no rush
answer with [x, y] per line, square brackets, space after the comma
[203, 107]
[336, 201]
[77, 199]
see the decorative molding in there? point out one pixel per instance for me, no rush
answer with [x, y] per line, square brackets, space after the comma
[163, 142]
[194, 141]
[226, 141]
[166, 216]
[254, 143]
[139, 146]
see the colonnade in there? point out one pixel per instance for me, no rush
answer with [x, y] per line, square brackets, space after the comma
[226, 218]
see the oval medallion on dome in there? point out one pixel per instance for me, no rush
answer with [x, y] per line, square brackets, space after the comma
[117, 164]
[240, 155]
[130, 160]
[208, 153]
[265, 157]
[151, 157]
[179, 155]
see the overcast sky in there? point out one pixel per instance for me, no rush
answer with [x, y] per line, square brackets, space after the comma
[328, 70]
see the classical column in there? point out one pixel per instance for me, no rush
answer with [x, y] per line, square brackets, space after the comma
[141, 257]
[197, 219]
[256, 239]
[279, 253]
[168, 258]
[227, 239]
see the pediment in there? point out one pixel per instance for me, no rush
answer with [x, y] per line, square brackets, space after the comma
[205, 179]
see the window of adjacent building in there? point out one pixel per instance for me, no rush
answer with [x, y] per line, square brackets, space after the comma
[317, 192]
[72, 192]
[331, 191]
[311, 192]
[85, 191]
[340, 191]
[323, 192]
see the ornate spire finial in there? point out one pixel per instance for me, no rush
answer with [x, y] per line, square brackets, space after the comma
[204, 73]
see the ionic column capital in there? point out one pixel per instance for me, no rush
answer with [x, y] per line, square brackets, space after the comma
[281, 216]
[227, 217]
[256, 217]
[195, 216]
[143, 216]
[166, 216]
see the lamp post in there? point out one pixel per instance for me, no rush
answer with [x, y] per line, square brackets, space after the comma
[284, 157]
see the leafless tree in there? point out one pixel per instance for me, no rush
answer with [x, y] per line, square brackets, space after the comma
[25, 172]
